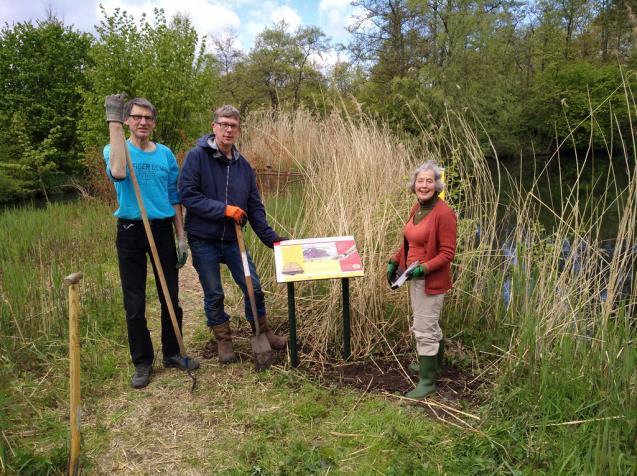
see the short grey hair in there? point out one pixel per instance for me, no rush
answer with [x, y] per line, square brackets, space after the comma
[227, 111]
[141, 102]
[429, 165]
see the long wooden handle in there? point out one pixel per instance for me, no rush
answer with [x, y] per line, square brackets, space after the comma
[246, 271]
[153, 249]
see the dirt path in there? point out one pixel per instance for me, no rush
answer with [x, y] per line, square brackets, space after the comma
[163, 428]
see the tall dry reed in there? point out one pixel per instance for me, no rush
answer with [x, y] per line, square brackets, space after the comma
[356, 175]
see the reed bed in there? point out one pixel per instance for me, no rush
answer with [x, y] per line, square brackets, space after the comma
[41, 247]
[356, 175]
[548, 303]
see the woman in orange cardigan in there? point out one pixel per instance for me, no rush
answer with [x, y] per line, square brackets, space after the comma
[429, 237]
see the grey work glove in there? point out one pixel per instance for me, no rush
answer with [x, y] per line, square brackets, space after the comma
[114, 105]
[182, 252]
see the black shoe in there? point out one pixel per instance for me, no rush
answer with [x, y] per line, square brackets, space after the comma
[175, 361]
[141, 378]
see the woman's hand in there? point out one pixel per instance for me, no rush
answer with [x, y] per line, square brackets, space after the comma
[392, 271]
[418, 272]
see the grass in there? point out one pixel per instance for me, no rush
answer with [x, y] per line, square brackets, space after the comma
[284, 422]
[41, 247]
[560, 354]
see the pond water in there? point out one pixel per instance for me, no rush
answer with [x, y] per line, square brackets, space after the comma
[600, 185]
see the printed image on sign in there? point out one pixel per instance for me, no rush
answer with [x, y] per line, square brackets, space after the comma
[317, 258]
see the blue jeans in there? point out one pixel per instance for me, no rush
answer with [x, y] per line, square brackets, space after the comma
[207, 256]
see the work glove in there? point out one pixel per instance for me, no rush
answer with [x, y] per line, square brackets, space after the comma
[182, 252]
[114, 105]
[237, 214]
[278, 239]
[392, 271]
[418, 272]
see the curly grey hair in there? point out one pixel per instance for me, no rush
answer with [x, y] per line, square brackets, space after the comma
[141, 102]
[227, 111]
[429, 165]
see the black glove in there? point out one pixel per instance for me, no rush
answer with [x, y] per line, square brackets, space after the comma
[392, 271]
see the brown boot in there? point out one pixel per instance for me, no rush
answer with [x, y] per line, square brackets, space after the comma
[276, 342]
[224, 343]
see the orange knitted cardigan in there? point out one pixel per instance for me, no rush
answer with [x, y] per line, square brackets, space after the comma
[439, 227]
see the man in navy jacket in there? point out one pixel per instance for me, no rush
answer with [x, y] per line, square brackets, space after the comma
[218, 187]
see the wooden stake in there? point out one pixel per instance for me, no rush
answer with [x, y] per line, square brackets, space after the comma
[72, 281]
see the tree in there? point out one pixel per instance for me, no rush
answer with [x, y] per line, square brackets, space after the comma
[310, 41]
[390, 35]
[42, 75]
[227, 53]
[433, 54]
[164, 62]
[279, 68]
[272, 62]
[228, 56]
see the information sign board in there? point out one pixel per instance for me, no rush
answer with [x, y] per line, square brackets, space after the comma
[317, 258]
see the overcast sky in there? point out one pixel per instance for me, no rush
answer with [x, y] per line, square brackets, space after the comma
[246, 18]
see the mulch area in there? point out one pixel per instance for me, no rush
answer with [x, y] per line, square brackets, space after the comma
[457, 387]
[393, 376]
[458, 390]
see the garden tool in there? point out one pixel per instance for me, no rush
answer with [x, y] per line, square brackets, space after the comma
[160, 269]
[261, 350]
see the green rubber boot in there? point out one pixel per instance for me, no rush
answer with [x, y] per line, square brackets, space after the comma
[415, 367]
[441, 357]
[428, 371]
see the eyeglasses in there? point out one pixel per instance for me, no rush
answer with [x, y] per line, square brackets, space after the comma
[227, 125]
[139, 117]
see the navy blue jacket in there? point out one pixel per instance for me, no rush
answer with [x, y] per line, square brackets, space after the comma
[208, 182]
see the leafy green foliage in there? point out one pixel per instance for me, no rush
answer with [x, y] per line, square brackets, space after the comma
[41, 77]
[165, 62]
[278, 70]
[579, 92]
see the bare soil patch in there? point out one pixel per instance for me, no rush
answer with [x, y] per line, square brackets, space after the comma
[391, 375]
[458, 390]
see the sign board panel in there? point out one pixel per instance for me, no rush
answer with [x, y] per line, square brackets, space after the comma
[317, 258]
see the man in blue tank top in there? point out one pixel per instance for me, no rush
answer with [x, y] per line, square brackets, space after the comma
[157, 171]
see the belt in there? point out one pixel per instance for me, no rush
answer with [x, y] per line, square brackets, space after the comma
[126, 221]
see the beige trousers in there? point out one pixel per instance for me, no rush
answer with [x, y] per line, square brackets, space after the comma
[426, 309]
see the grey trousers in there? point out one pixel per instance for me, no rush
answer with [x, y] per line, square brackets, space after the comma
[426, 309]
